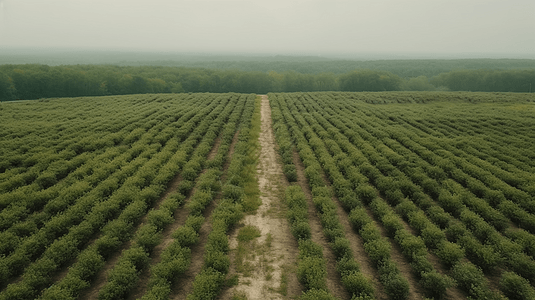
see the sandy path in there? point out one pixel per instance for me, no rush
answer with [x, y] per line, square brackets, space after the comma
[269, 220]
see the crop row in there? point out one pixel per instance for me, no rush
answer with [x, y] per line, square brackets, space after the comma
[388, 183]
[119, 205]
[228, 211]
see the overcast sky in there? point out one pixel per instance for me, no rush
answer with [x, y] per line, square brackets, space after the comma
[273, 26]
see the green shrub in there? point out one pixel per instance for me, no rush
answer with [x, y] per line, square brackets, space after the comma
[185, 236]
[189, 173]
[357, 284]
[433, 236]
[435, 285]
[421, 264]
[122, 279]
[411, 245]
[369, 232]
[217, 241]
[185, 186]
[469, 277]
[449, 253]
[158, 292]
[233, 192]
[315, 294]
[291, 172]
[516, 287]
[311, 272]
[341, 247]
[378, 250]
[198, 202]
[301, 230]
[358, 218]
[206, 284]
[194, 222]
[148, 237]
[347, 265]
[391, 223]
[397, 287]
[366, 193]
[160, 218]
[217, 260]
[106, 245]
[308, 248]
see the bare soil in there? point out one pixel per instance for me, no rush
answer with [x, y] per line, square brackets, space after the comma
[271, 277]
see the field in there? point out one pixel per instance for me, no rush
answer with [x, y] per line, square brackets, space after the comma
[331, 195]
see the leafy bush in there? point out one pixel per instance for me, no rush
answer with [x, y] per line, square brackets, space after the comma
[397, 287]
[366, 193]
[378, 250]
[217, 260]
[148, 237]
[341, 247]
[347, 265]
[449, 253]
[435, 285]
[301, 230]
[516, 287]
[357, 284]
[160, 218]
[311, 272]
[469, 277]
[308, 248]
[186, 236]
[315, 294]
[358, 218]
[207, 284]
[233, 192]
[291, 172]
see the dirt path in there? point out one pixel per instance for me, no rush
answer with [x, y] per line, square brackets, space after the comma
[269, 279]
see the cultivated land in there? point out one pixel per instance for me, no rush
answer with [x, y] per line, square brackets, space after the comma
[398, 195]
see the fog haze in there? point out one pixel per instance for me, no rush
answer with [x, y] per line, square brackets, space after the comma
[276, 26]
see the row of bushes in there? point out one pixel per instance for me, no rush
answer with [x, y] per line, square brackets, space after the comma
[227, 213]
[32, 246]
[485, 256]
[173, 259]
[409, 245]
[61, 196]
[111, 208]
[311, 266]
[477, 247]
[149, 235]
[352, 279]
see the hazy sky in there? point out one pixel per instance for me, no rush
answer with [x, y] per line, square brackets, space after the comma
[273, 26]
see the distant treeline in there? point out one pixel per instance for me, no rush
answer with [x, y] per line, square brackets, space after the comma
[34, 81]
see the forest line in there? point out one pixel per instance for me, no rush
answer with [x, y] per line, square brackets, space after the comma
[35, 81]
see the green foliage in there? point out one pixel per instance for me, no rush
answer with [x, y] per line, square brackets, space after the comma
[186, 236]
[449, 253]
[316, 294]
[516, 287]
[357, 284]
[206, 285]
[248, 233]
[311, 272]
[435, 285]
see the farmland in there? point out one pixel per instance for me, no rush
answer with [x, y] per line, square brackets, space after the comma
[325, 195]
